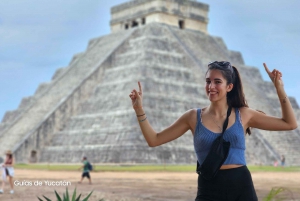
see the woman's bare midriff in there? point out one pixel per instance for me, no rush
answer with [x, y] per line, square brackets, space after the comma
[224, 167]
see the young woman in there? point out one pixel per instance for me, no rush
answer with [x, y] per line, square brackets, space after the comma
[8, 171]
[223, 88]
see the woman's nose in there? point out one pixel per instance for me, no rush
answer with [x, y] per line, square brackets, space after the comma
[211, 86]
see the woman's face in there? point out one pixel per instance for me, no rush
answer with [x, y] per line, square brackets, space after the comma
[216, 85]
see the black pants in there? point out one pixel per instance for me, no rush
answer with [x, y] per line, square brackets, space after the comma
[86, 174]
[6, 171]
[228, 185]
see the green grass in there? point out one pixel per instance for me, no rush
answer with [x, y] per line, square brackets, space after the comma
[143, 168]
[51, 167]
[273, 169]
[116, 168]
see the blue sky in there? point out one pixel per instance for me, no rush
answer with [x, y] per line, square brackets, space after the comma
[38, 37]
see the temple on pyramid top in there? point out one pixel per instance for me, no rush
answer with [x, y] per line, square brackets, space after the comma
[185, 14]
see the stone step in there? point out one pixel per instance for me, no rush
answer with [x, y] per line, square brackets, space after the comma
[152, 83]
[284, 143]
[173, 103]
[159, 70]
[119, 154]
[60, 71]
[210, 48]
[147, 57]
[94, 136]
[141, 39]
[156, 116]
[11, 116]
[153, 42]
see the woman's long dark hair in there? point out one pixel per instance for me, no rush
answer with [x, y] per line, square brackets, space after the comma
[236, 97]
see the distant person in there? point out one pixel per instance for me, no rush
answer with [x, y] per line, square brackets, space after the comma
[223, 87]
[275, 163]
[282, 161]
[85, 170]
[8, 171]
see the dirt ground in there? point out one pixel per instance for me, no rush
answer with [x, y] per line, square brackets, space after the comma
[129, 186]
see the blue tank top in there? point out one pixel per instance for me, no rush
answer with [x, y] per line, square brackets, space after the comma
[203, 139]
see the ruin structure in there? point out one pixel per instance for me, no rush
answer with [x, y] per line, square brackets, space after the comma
[85, 109]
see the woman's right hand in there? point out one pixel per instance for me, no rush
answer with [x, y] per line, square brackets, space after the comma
[137, 97]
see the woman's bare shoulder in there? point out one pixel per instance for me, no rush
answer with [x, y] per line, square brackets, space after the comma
[245, 109]
[191, 113]
[248, 110]
[191, 116]
[247, 114]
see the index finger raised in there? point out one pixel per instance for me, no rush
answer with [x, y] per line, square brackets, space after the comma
[266, 68]
[140, 86]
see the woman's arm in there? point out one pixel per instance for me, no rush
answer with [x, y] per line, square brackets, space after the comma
[153, 138]
[286, 122]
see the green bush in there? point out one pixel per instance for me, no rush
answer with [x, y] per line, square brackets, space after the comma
[279, 194]
[66, 197]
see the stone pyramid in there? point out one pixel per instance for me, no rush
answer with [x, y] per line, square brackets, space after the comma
[85, 109]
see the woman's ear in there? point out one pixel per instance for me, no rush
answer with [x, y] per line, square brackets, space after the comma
[229, 87]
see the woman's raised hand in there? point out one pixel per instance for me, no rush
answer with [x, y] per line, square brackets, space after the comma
[137, 97]
[275, 76]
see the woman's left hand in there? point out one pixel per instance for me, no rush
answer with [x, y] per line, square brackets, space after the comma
[275, 76]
